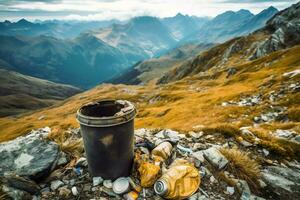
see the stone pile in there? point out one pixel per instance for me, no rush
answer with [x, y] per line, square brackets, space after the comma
[35, 168]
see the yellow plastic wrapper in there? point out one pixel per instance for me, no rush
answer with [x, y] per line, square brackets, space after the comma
[182, 180]
[148, 174]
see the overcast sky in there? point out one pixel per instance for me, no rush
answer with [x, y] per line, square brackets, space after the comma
[124, 9]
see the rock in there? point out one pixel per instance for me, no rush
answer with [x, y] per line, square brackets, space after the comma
[284, 133]
[75, 191]
[15, 194]
[56, 184]
[64, 192]
[72, 182]
[283, 181]
[97, 181]
[199, 156]
[266, 152]
[31, 155]
[87, 187]
[21, 183]
[297, 138]
[81, 162]
[214, 156]
[195, 135]
[170, 134]
[212, 179]
[231, 71]
[230, 190]
[108, 184]
[184, 149]
[245, 143]
[62, 160]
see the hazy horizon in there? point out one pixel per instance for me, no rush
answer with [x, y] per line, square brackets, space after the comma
[99, 10]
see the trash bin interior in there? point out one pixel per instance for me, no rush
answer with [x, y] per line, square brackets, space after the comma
[102, 109]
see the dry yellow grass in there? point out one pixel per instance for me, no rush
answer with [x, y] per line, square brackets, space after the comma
[242, 166]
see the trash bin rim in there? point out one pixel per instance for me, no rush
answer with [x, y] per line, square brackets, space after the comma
[104, 121]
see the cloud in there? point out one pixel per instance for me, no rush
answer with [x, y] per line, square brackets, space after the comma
[255, 1]
[124, 9]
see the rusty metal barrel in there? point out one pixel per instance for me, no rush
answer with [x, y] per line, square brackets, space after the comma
[107, 128]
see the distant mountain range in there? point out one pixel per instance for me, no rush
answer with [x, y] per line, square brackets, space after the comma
[54, 28]
[48, 50]
[231, 24]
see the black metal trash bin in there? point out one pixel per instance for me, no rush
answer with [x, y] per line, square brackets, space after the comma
[107, 128]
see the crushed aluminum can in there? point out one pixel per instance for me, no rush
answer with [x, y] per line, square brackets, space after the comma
[121, 185]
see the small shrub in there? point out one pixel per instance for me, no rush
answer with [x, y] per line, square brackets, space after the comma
[294, 114]
[242, 166]
[225, 129]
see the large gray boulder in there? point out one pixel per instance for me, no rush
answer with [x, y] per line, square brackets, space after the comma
[29, 156]
[284, 182]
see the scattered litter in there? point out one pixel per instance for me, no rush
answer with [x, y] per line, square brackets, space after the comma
[181, 174]
[74, 191]
[108, 184]
[163, 150]
[121, 185]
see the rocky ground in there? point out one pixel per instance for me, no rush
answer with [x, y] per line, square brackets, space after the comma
[33, 167]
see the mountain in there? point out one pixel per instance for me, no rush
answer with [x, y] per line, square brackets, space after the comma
[183, 25]
[20, 93]
[281, 32]
[142, 36]
[54, 28]
[231, 24]
[148, 70]
[83, 61]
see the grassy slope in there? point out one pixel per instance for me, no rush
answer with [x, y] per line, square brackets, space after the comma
[180, 105]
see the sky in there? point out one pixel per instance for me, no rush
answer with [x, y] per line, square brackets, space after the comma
[124, 9]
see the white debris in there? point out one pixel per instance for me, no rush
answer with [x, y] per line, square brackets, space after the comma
[292, 73]
[75, 191]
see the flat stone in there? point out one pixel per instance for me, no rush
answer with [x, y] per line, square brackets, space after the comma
[30, 156]
[214, 156]
[283, 181]
[56, 184]
[14, 193]
[21, 184]
[64, 192]
[230, 190]
[97, 181]
[199, 156]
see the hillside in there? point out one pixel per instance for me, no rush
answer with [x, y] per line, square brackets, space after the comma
[274, 36]
[20, 93]
[149, 70]
[83, 61]
[231, 24]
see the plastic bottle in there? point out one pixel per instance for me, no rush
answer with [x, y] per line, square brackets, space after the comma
[180, 181]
